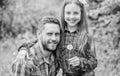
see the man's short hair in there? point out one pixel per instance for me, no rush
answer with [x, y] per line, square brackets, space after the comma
[47, 19]
[50, 19]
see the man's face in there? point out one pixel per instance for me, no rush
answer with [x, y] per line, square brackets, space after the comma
[50, 36]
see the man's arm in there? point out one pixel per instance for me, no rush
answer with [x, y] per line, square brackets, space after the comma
[19, 67]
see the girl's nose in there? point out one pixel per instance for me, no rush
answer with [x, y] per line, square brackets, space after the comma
[71, 16]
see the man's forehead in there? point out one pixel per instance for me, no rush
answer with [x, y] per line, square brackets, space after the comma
[51, 25]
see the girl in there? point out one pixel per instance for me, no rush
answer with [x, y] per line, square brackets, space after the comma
[76, 52]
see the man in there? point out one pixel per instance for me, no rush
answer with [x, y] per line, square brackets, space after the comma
[39, 58]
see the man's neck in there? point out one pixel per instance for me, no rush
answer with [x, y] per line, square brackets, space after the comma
[46, 53]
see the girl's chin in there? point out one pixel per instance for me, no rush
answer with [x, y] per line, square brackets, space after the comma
[72, 24]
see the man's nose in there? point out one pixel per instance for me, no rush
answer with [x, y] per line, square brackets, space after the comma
[53, 37]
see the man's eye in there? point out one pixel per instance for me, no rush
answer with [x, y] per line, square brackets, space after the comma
[57, 34]
[49, 34]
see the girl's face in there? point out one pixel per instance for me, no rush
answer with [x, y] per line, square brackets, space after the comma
[72, 14]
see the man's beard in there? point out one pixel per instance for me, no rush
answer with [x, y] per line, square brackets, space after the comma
[47, 45]
[47, 49]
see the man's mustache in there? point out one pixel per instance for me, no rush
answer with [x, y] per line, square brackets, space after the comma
[54, 41]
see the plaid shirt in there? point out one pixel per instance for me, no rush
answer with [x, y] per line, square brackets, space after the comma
[36, 64]
[71, 38]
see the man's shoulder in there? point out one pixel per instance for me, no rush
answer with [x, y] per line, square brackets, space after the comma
[28, 45]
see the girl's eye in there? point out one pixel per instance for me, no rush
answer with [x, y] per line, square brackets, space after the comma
[67, 12]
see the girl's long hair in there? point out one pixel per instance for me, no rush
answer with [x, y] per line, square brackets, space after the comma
[82, 25]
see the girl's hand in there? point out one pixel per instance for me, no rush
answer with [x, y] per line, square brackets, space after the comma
[74, 61]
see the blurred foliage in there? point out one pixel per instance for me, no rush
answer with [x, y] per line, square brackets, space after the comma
[19, 16]
[104, 24]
